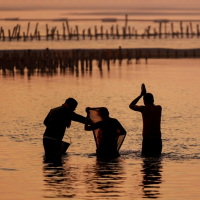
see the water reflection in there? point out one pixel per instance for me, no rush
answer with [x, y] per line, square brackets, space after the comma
[152, 178]
[101, 179]
[77, 69]
[105, 178]
[58, 178]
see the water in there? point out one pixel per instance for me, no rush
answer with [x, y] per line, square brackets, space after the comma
[27, 97]
[25, 101]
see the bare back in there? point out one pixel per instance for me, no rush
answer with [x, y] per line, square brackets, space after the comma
[151, 116]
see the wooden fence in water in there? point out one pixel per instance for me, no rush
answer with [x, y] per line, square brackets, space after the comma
[52, 58]
[69, 33]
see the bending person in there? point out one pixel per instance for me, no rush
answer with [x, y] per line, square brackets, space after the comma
[151, 115]
[56, 122]
[109, 131]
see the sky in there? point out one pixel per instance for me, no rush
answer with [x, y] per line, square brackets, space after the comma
[103, 4]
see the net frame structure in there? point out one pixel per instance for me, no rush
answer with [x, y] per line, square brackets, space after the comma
[94, 118]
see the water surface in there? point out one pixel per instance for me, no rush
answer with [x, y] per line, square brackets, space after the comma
[26, 98]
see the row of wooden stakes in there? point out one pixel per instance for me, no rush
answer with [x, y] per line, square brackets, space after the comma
[63, 58]
[127, 32]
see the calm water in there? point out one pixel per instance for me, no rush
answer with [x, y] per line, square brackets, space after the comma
[27, 97]
[25, 101]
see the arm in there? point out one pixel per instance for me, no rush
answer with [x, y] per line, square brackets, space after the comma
[121, 128]
[78, 118]
[134, 102]
[89, 126]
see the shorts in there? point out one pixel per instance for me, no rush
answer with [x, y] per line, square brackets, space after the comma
[52, 147]
[151, 147]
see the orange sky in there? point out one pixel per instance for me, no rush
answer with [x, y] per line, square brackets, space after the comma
[124, 4]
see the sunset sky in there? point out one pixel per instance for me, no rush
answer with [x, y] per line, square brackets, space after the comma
[123, 4]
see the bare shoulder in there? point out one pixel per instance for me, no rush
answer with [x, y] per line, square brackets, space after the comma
[158, 107]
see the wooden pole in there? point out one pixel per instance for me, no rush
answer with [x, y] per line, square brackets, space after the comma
[69, 35]
[95, 30]
[165, 30]
[187, 31]
[101, 32]
[84, 34]
[16, 31]
[172, 29]
[129, 32]
[64, 31]
[155, 33]
[181, 28]
[148, 31]
[124, 32]
[3, 34]
[77, 34]
[24, 36]
[197, 30]
[133, 31]
[35, 34]
[126, 22]
[117, 31]
[107, 36]
[47, 32]
[9, 35]
[191, 30]
[18, 34]
[160, 29]
[13, 32]
[38, 34]
[58, 35]
[28, 29]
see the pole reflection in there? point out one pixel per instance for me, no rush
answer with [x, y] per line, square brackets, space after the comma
[105, 179]
[152, 177]
[75, 69]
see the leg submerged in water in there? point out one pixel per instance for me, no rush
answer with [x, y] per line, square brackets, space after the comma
[151, 147]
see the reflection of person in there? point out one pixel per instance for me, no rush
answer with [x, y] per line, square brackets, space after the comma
[151, 115]
[56, 122]
[110, 129]
[152, 177]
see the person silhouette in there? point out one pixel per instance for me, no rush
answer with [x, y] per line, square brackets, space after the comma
[109, 131]
[56, 122]
[151, 115]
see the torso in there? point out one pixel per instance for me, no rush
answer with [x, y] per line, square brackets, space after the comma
[151, 115]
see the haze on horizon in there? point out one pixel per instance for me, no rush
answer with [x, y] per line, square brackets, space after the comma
[103, 4]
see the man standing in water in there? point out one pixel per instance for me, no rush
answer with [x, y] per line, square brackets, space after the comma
[151, 115]
[56, 122]
[109, 131]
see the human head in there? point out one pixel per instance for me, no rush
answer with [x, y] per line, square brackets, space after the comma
[104, 112]
[148, 98]
[72, 103]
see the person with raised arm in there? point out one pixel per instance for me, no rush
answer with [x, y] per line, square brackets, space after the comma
[151, 115]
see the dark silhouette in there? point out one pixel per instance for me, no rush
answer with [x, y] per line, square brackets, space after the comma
[151, 115]
[109, 131]
[152, 177]
[56, 122]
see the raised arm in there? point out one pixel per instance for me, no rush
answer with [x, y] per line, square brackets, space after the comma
[134, 102]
